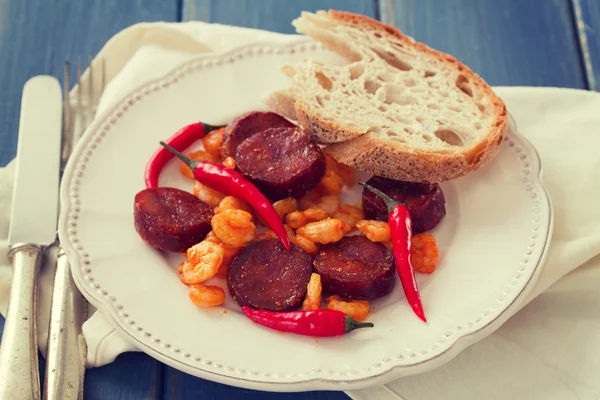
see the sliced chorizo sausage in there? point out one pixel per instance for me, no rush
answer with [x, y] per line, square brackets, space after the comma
[266, 276]
[246, 125]
[171, 219]
[356, 268]
[281, 162]
[426, 203]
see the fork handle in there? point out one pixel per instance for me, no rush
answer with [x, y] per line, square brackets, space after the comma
[67, 348]
[19, 371]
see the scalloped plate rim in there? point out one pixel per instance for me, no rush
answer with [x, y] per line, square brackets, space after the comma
[459, 343]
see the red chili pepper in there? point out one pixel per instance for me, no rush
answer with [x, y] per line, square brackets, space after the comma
[233, 183]
[180, 141]
[309, 323]
[401, 230]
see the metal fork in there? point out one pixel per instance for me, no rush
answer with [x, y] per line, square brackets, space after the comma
[67, 349]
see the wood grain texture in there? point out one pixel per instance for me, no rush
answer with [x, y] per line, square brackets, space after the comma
[587, 23]
[131, 376]
[180, 386]
[508, 42]
[37, 36]
[272, 15]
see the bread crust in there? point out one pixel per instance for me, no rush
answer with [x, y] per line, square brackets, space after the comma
[321, 128]
[375, 156]
[378, 158]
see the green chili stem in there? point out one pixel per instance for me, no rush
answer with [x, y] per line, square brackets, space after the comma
[389, 202]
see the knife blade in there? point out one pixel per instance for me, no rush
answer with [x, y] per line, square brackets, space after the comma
[32, 229]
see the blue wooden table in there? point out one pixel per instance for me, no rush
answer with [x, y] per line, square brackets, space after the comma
[508, 42]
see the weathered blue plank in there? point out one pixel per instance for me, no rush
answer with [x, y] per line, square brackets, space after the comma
[180, 386]
[508, 42]
[587, 22]
[131, 376]
[272, 15]
[37, 36]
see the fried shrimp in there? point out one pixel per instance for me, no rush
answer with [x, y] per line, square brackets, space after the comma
[234, 227]
[204, 260]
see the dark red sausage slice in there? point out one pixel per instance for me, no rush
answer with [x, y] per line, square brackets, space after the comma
[266, 276]
[246, 125]
[425, 202]
[281, 162]
[356, 268]
[171, 219]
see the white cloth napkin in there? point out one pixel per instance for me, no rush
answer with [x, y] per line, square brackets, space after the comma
[546, 351]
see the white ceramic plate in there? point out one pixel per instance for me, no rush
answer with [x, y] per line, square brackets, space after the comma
[492, 242]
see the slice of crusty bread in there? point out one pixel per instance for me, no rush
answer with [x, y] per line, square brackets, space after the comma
[398, 109]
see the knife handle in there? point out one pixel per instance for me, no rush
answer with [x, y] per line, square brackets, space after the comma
[67, 349]
[19, 371]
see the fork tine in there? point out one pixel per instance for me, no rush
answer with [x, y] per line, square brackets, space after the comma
[91, 91]
[67, 123]
[102, 82]
[83, 111]
[82, 120]
[66, 83]
[103, 76]
[79, 95]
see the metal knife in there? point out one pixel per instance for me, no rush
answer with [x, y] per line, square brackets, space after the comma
[32, 229]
